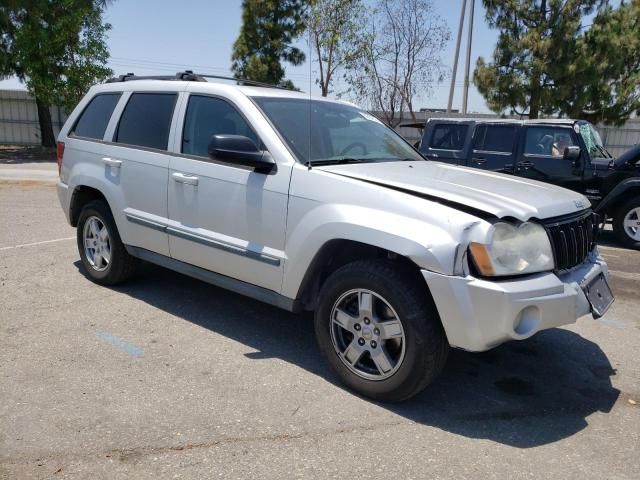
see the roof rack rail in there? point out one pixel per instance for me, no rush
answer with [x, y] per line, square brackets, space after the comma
[187, 75]
[190, 76]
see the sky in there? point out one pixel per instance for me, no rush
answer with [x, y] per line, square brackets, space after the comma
[162, 37]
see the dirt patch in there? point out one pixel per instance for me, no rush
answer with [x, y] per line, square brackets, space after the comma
[26, 183]
[17, 154]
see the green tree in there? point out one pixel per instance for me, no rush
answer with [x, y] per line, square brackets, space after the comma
[334, 28]
[609, 57]
[548, 62]
[403, 41]
[57, 47]
[268, 29]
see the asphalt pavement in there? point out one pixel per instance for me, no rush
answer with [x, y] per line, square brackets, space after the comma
[168, 377]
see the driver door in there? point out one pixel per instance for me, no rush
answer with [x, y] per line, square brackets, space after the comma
[536, 159]
[225, 217]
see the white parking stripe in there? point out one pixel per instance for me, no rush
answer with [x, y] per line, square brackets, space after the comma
[37, 243]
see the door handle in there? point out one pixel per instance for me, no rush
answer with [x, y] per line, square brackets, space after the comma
[112, 162]
[525, 164]
[479, 160]
[182, 178]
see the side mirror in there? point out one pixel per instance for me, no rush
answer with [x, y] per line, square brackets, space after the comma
[572, 154]
[240, 150]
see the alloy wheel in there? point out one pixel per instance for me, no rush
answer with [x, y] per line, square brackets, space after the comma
[631, 224]
[367, 334]
[97, 244]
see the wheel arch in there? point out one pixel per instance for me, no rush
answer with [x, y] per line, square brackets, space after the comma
[336, 253]
[83, 194]
[622, 193]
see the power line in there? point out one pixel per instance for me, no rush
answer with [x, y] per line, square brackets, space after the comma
[168, 66]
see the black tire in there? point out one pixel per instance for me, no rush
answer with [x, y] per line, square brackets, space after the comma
[426, 345]
[122, 265]
[618, 224]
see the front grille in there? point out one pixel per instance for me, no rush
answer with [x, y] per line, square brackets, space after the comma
[572, 238]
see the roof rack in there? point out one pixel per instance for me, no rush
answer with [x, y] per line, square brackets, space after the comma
[190, 76]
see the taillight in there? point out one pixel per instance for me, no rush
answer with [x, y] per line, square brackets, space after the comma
[59, 155]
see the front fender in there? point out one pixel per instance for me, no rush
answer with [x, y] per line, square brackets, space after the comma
[430, 247]
[613, 195]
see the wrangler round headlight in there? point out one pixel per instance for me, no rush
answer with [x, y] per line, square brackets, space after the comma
[513, 250]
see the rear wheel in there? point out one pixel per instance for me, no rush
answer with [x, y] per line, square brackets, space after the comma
[379, 330]
[101, 250]
[626, 223]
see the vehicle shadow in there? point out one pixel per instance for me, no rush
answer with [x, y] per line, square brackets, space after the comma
[608, 239]
[522, 394]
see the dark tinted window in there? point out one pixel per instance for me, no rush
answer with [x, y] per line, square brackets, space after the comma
[547, 141]
[207, 116]
[146, 120]
[448, 136]
[494, 138]
[93, 121]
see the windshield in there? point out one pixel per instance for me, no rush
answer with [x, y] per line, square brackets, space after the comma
[593, 141]
[324, 132]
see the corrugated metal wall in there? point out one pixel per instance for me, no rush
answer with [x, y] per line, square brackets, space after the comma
[19, 124]
[19, 118]
[619, 139]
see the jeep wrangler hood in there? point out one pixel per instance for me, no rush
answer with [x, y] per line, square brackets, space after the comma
[629, 157]
[475, 190]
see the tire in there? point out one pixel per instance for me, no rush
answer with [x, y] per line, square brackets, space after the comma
[415, 352]
[627, 235]
[115, 264]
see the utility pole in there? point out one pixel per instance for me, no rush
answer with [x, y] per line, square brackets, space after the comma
[465, 96]
[457, 55]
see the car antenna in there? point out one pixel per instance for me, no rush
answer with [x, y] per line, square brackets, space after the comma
[309, 150]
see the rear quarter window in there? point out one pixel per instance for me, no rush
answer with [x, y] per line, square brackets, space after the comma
[94, 119]
[146, 120]
[448, 136]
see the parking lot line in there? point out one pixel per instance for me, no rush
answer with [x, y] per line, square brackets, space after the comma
[37, 243]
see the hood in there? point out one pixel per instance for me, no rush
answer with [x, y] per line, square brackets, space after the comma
[475, 190]
[629, 157]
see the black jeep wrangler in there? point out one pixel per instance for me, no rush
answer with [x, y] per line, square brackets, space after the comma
[568, 153]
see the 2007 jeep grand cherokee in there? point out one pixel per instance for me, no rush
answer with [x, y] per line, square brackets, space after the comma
[314, 204]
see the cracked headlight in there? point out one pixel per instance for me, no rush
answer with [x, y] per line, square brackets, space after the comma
[513, 250]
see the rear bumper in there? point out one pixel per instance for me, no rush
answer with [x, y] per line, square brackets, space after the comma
[479, 314]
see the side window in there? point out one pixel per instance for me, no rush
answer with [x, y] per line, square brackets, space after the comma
[146, 120]
[549, 141]
[448, 136]
[494, 138]
[207, 116]
[94, 119]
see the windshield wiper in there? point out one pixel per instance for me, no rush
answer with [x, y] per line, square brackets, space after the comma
[603, 151]
[340, 161]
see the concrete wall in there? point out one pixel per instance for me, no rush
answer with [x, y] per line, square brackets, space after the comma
[19, 118]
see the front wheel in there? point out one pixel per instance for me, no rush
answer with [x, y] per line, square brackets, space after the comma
[626, 223]
[379, 330]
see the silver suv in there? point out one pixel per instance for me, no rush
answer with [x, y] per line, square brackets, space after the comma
[313, 204]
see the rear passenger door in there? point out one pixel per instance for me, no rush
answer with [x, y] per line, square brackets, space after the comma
[446, 141]
[137, 160]
[493, 147]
